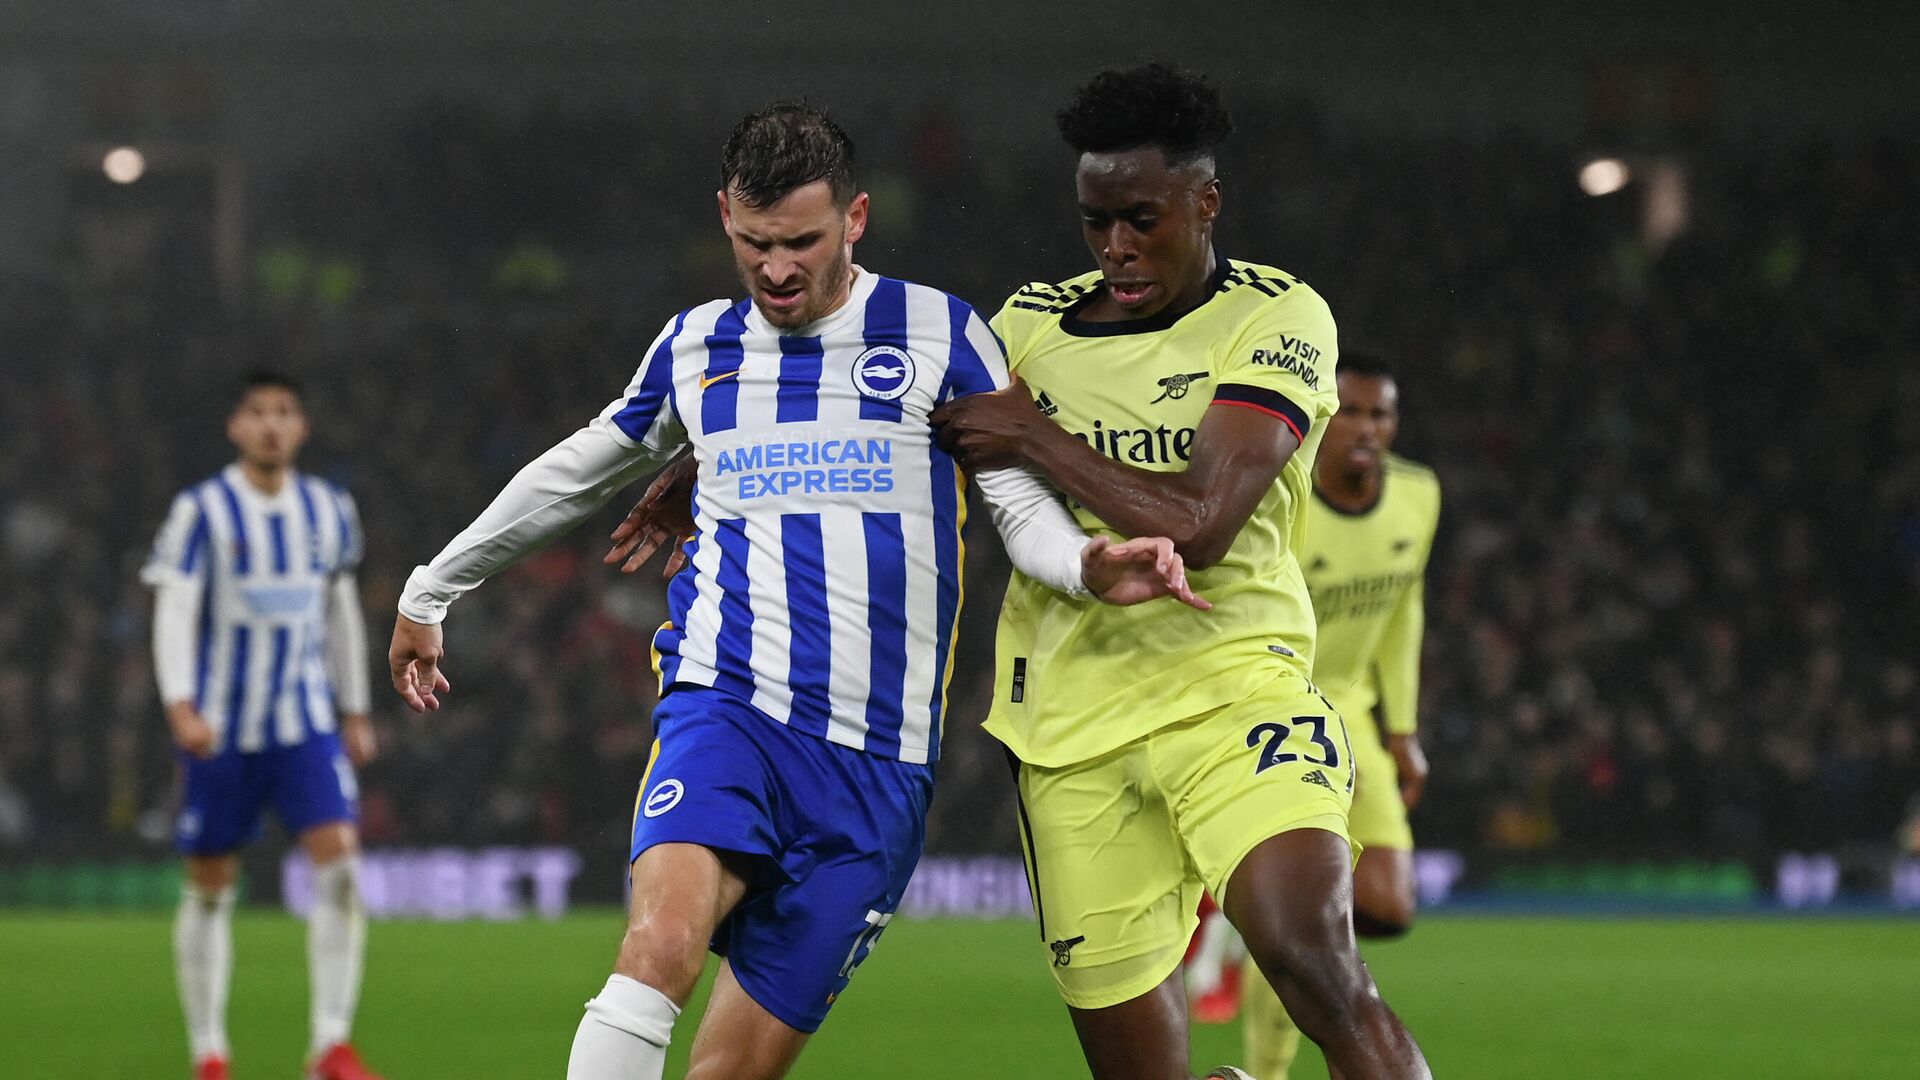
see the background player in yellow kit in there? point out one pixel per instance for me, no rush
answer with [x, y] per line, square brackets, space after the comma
[1182, 393]
[1369, 530]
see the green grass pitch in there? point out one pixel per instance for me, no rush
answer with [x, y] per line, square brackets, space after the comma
[91, 998]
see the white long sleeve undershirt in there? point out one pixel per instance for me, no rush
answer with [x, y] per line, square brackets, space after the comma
[347, 646]
[176, 609]
[565, 485]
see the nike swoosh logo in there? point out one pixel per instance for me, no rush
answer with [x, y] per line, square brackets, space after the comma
[720, 378]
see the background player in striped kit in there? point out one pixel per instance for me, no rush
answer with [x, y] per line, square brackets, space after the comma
[804, 668]
[260, 651]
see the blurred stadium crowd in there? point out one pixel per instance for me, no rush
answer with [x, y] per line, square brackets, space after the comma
[1672, 611]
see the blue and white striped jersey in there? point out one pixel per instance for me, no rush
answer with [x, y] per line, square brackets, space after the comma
[263, 564]
[824, 585]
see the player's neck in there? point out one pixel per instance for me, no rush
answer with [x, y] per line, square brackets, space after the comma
[1349, 492]
[265, 479]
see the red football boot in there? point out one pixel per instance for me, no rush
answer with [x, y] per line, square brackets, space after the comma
[210, 1068]
[341, 1062]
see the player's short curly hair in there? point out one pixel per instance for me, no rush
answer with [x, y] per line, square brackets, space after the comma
[784, 146]
[1157, 105]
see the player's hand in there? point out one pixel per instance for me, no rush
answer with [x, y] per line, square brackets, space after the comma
[662, 518]
[991, 431]
[357, 738]
[1139, 570]
[1412, 764]
[414, 662]
[190, 730]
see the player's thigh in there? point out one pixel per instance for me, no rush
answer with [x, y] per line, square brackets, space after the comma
[739, 1039]
[221, 799]
[1277, 761]
[1109, 879]
[1142, 1038]
[702, 830]
[1379, 817]
[313, 785]
[680, 894]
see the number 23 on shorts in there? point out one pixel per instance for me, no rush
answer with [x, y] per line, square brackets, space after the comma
[1308, 734]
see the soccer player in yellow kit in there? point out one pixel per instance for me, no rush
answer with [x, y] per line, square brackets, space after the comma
[1369, 530]
[1159, 754]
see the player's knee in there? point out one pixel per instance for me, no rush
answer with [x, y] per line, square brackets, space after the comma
[1383, 897]
[667, 954]
[330, 842]
[212, 874]
[1370, 925]
[1383, 913]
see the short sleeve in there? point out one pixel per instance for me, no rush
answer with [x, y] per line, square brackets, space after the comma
[180, 551]
[977, 363]
[1282, 362]
[645, 416]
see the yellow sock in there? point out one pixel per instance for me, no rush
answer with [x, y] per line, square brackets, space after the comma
[1267, 1034]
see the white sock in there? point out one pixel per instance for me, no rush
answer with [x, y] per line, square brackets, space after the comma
[624, 1034]
[336, 945]
[203, 957]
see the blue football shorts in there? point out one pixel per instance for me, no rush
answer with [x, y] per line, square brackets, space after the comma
[309, 783]
[834, 833]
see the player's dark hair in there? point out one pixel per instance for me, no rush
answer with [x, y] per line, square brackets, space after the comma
[1367, 365]
[784, 146]
[1157, 105]
[263, 379]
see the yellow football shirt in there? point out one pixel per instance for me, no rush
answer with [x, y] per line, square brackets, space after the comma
[1367, 573]
[1076, 678]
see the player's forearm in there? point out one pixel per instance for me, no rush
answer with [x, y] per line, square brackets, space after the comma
[1042, 539]
[176, 637]
[551, 495]
[1138, 502]
[1399, 664]
[347, 646]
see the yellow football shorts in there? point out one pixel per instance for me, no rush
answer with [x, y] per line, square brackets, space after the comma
[1379, 818]
[1120, 847]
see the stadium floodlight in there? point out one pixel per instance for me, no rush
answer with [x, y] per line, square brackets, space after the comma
[1604, 176]
[124, 164]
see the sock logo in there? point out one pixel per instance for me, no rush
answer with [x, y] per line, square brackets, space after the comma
[664, 797]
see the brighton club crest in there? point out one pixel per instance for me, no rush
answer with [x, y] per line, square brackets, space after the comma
[884, 373]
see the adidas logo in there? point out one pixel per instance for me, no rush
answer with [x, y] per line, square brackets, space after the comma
[1317, 777]
[1046, 404]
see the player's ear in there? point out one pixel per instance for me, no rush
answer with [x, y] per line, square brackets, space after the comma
[857, 218]
[726, 213]
[1210, 200]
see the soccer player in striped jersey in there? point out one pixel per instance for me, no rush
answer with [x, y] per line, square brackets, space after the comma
[260, 650]
[1161, 755]
[805, 665]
